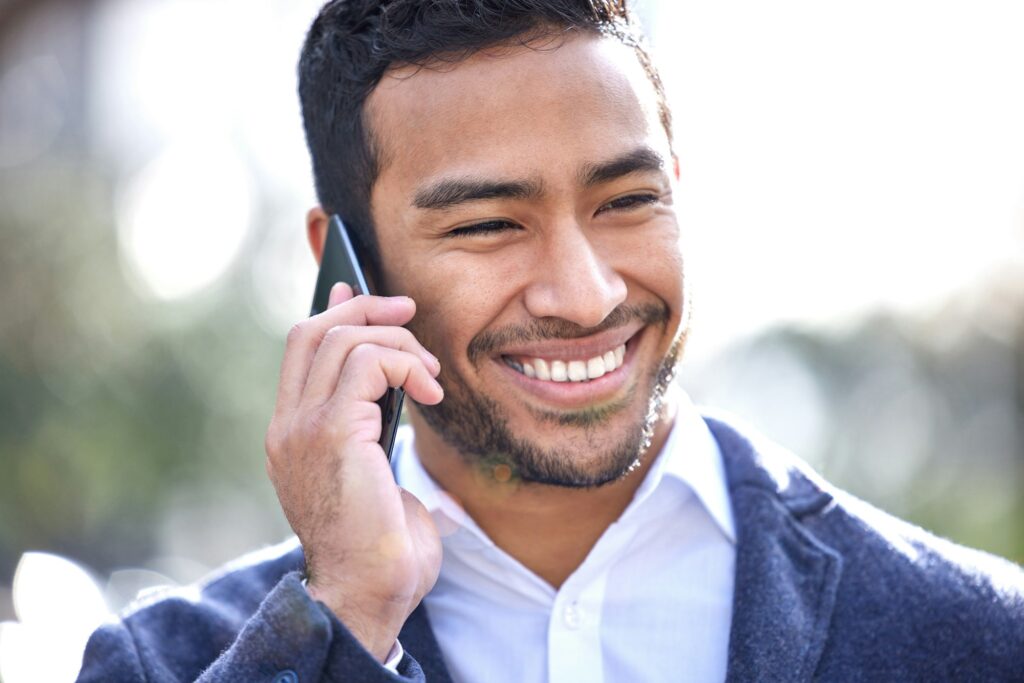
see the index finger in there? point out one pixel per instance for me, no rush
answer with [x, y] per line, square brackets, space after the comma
[341, 291]
[305, 337]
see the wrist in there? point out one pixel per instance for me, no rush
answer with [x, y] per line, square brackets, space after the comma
[375, 630]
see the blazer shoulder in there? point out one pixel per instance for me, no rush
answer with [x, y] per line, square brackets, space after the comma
[233, 592]
[904, 597]
[178, 631]
[870, 541]
[877, 545]
[909, 596]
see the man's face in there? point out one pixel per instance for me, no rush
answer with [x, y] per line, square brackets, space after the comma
[525, 203]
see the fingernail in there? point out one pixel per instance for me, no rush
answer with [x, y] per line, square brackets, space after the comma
[337, 292]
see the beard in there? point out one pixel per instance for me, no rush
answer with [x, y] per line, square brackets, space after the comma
[478, 427]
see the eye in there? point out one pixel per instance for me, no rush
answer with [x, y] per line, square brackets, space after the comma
[485, 228]
[630, 201]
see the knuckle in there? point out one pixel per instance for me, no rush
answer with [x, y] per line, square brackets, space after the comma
[271, 444]
[337, 334]
[274, 442]
[297, 333]
[363, 353]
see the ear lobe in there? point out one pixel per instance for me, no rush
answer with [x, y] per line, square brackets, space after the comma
[316, 231]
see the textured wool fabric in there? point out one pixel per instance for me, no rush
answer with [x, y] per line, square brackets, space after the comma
[827, 589]
[255, 623]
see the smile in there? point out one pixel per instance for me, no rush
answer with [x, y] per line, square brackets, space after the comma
[556, 370]
[571, 373]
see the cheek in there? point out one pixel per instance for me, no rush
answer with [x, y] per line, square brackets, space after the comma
[652, 262]
[456, 303]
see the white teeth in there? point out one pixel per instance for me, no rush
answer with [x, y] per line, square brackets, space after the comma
[609, 361]
[572, 370]
[558, 371]
[577, 370]
[541, 366]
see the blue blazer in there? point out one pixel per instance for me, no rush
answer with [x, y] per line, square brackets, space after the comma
[827, 589]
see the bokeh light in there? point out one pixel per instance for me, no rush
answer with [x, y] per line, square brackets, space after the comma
[184, 218]
[58, 606]
[841, 158]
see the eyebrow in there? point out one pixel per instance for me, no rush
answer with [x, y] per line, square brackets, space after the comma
[641, 159]
[452, 191]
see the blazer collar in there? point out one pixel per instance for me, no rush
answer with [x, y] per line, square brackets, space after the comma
[786, 578]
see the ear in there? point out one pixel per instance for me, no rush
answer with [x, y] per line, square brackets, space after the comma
[317, 224]
[675, 166]
[316, 231]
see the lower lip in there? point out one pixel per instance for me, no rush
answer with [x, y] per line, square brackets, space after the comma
[577, 394]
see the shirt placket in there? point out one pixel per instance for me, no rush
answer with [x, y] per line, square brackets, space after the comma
[574, 631]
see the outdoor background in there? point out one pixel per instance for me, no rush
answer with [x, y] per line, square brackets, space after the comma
[852, 196]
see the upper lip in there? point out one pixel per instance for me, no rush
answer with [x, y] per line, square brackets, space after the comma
[581, 348]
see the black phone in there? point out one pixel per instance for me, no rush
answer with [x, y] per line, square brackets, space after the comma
[339, 263]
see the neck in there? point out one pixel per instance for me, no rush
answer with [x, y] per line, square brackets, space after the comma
[549, 529]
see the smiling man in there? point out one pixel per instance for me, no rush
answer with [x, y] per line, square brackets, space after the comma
[534, 224]
[562, 512]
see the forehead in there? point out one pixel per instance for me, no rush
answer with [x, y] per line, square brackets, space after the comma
[517, 110]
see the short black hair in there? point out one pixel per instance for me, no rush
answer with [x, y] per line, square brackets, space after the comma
[352, 43]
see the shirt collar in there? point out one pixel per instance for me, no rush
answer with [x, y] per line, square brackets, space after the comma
[690, 455]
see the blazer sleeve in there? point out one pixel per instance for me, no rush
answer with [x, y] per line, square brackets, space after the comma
[289, 639]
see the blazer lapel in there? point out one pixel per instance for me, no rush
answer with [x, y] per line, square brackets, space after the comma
[786, 579]
[417, 637]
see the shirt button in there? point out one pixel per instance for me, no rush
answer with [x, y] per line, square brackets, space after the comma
[572, 616]
[286, 676]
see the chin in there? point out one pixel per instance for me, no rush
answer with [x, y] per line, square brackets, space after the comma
[580, 448]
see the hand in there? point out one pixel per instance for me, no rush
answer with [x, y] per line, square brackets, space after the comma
[372, 551]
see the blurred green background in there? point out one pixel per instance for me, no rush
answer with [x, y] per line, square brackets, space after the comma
[152, 186]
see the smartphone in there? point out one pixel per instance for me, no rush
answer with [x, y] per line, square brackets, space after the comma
[339, 263]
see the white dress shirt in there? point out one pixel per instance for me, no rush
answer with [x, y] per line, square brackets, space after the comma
[651, 602]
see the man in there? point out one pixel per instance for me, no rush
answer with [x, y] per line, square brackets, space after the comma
[562, 514]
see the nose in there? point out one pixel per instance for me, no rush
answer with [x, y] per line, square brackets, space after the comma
[572, 279]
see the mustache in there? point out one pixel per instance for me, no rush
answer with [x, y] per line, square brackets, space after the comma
[488, 341]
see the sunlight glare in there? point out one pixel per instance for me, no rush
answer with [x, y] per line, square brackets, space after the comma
[184, 218]
[58, 606]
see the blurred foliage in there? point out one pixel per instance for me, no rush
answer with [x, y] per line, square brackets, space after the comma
[113, 405]
[921, 415]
